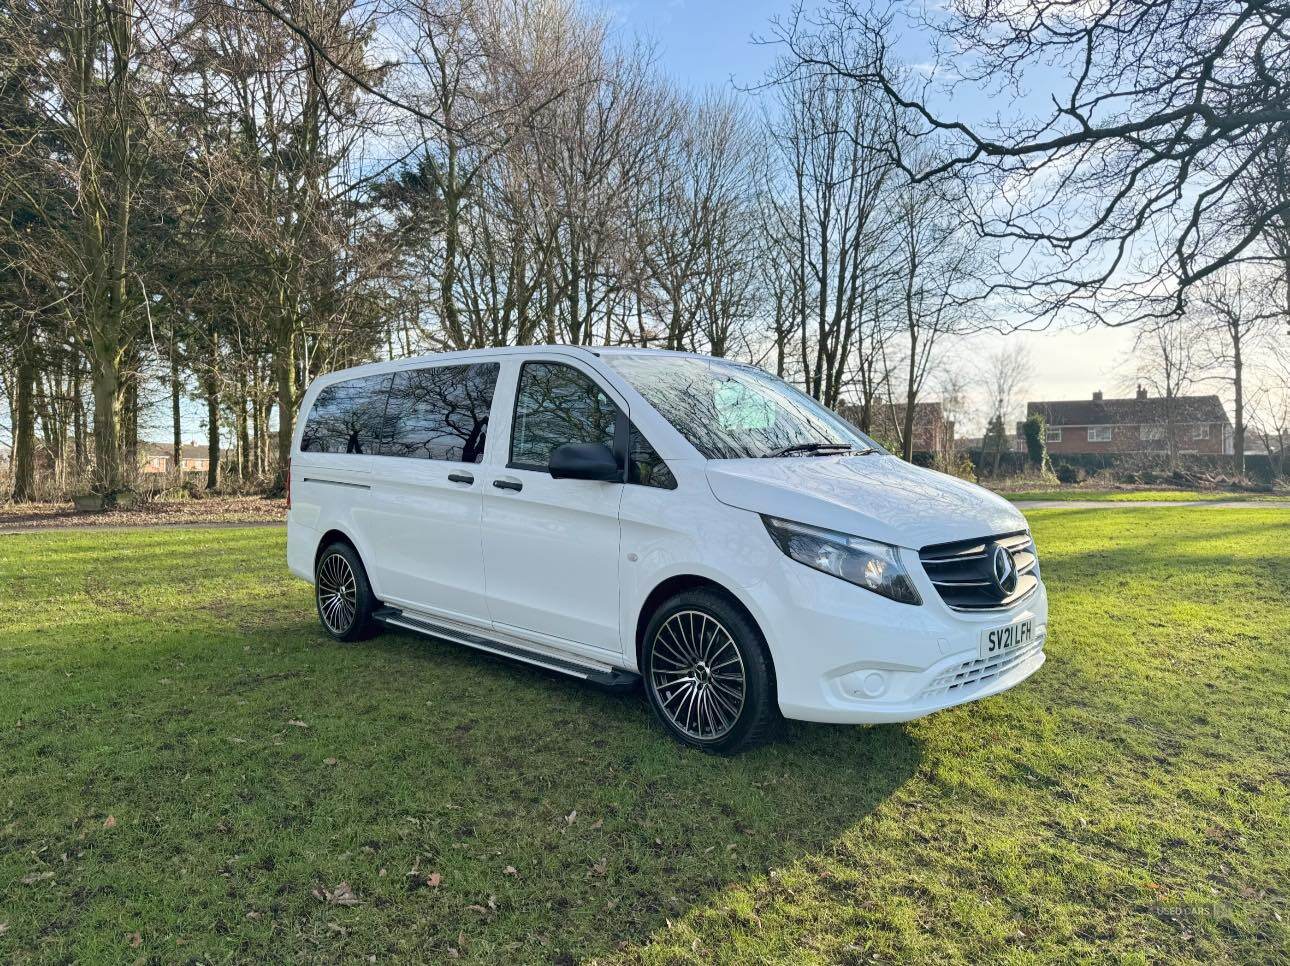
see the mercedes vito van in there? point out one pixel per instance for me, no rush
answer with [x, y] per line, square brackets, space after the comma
[690, 523]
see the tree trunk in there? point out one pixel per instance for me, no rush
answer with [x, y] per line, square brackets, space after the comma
[285, 375]
[78, 415]
[212, 434]
[106, 386]
[24, 429]
[1238, 406]
[911, 394]
[130, 422]
[243, 431]
[176, 417]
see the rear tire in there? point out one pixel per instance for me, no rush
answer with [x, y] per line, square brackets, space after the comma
[343, 594]
[708, 673]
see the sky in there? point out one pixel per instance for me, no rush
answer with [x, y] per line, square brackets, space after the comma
[709, 43]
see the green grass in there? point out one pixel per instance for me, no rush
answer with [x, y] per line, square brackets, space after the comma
[152, 780]
[1135, 496]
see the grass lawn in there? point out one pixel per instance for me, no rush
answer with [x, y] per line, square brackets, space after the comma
[189, 771]
[1136, 496]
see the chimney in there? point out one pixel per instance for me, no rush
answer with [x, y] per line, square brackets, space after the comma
[1142, 392]
[1097, 396]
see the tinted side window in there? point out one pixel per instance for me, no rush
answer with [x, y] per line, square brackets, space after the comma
[556, 404]
[441, 413]
[347, 417]
[645, 466]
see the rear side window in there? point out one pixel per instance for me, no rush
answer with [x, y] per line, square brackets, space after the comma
[557, 404]
[441, 412]
[347, 417]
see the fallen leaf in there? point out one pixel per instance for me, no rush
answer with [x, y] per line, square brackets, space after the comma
[4, 928]
[135, 940]
[598, 823]
[295, 723]
[342, 895]
[599, 868]
[110, 822]
[571, 817]
[510, 870]
[34, 877]
[329, 761]
[253, 914]
[477, 908]
[433, 880]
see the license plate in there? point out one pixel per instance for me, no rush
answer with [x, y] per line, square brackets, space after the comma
[1005, 640]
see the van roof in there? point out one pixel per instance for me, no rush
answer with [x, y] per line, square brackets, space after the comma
[436, 357]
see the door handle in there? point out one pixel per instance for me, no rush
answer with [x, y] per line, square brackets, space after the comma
[515, 485]
[460, 478]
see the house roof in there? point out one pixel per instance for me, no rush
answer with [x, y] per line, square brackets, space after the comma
[189, 451]
[1103, 412]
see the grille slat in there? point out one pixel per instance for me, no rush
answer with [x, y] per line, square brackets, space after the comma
[963, 576]
[973, 674]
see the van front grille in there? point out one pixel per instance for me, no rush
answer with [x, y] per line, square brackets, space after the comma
[963, 572]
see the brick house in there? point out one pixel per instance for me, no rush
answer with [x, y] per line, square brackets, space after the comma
[933, 433]
[1143, 424]
[158, 458]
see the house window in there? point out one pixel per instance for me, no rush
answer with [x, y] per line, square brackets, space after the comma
[1200, 431]
[1099, 434]
[1151, 432]
[1054, 434]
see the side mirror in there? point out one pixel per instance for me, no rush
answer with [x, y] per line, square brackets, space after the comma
[585, 461]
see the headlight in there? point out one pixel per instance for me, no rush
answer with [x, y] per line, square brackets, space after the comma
[865, 563]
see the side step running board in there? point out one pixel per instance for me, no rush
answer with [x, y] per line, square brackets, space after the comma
[604, 676]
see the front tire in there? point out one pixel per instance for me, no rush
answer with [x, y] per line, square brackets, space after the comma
[708, 673]
[343, 594]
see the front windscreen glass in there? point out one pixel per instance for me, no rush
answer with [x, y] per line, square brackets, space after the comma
[731, 411]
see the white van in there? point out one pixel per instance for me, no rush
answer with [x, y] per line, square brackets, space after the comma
[626, 515]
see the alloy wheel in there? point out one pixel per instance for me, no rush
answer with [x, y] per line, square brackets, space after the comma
[337, 593]
[697, 674]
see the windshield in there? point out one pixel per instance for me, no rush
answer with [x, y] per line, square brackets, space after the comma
[730, 411]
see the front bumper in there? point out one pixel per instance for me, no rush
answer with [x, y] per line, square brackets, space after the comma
[847, 656]
[952, 682]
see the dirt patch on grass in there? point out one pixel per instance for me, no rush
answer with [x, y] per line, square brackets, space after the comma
[211, 510]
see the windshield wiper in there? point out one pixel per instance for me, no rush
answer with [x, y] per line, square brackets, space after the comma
[812, 448]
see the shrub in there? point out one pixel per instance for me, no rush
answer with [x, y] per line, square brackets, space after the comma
[1069, 475]
[1036, 431]
[956, 464]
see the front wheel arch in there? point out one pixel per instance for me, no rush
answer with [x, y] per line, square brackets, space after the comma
[679, 584]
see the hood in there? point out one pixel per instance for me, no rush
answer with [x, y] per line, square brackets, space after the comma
[878, 497]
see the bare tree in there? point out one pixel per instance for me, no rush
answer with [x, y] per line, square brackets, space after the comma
[1233, 307]
[1114, 200]
[1270, 409]
[831, 208]
[938, 267]
[1005, 380]
[1168, 364]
